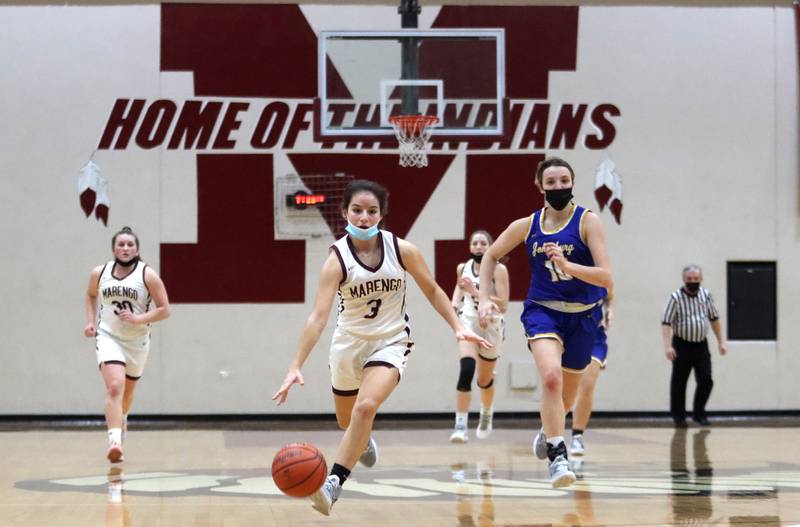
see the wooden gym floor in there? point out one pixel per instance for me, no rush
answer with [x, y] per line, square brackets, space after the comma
[742, 475]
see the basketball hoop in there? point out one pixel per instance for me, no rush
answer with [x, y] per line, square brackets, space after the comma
[413, 133]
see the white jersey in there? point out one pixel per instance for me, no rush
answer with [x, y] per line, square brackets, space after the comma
[372, 301]
[469, 303]
[128, 293]
[494, 331]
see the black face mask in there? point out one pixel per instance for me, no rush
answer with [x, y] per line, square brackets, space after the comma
[477, 257]
[558, 199]
[129, 263]
[692, 287]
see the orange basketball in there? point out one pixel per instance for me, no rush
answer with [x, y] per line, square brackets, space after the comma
[299, 469]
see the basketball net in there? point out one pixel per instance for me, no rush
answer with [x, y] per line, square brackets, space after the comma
[413, 133]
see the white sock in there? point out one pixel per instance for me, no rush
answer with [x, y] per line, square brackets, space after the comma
[461, 419]
[115, 435]
[555, 441]
[125, 422]
[487, 409]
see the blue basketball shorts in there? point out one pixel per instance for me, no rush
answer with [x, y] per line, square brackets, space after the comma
[600, 348]
[577, 332]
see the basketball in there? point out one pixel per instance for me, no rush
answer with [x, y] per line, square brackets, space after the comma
[299, 469]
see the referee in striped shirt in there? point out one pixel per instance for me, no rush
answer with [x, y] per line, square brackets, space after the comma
[684, 327]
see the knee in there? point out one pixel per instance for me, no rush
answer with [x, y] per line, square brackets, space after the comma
[343, 421]
[115, 388]
[486, 381]
[365, 408]
[552, 380]
[465, 374]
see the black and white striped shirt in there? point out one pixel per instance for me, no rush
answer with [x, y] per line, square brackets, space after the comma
[689, 314]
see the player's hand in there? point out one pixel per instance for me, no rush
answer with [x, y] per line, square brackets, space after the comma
[486, 311]
[723, 349]
[555, 254]
[128, 316]
[468, 286]
[89, 330]
[292, 377]
[608, 316]
[671, 354]
[469, 336]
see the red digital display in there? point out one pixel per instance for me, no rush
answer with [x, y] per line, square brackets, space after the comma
[311, 199]
[302, 199]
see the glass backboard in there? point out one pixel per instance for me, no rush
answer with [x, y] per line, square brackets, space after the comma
[364, 77]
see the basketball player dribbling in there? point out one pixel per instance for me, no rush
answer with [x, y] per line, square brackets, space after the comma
[566, 248]
[126, 287]
[366, 268]
[465, 302]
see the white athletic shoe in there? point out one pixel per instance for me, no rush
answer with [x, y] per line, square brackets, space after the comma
[484, 425]
[577, 448]
[327, 495]
[370, 455]
[459, 435]
[560, 473]
[540, 444]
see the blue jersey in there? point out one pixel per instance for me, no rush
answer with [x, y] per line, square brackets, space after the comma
[548, 282]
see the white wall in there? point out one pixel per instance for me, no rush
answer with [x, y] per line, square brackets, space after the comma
[707, 145]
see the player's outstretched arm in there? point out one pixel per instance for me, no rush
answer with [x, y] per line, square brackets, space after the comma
[418, 269]
[505, 243]
[329, 281]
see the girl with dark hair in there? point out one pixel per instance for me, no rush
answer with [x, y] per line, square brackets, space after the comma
[471, 358]
[366, 269]
[124, 297]
[570, 273]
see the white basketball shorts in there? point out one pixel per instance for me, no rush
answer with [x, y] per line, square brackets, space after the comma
[349, 356]
[132, 352]
[494, 333]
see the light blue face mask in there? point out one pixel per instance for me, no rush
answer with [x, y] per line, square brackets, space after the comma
[361, 234]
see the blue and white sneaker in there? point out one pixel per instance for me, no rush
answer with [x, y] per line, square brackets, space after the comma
[370, 455]
[577, 448]
[459, 435]
[560, 473]
[327, 495]
[540, 444]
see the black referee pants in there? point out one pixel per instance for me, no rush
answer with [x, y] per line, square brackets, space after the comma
[690, 355]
